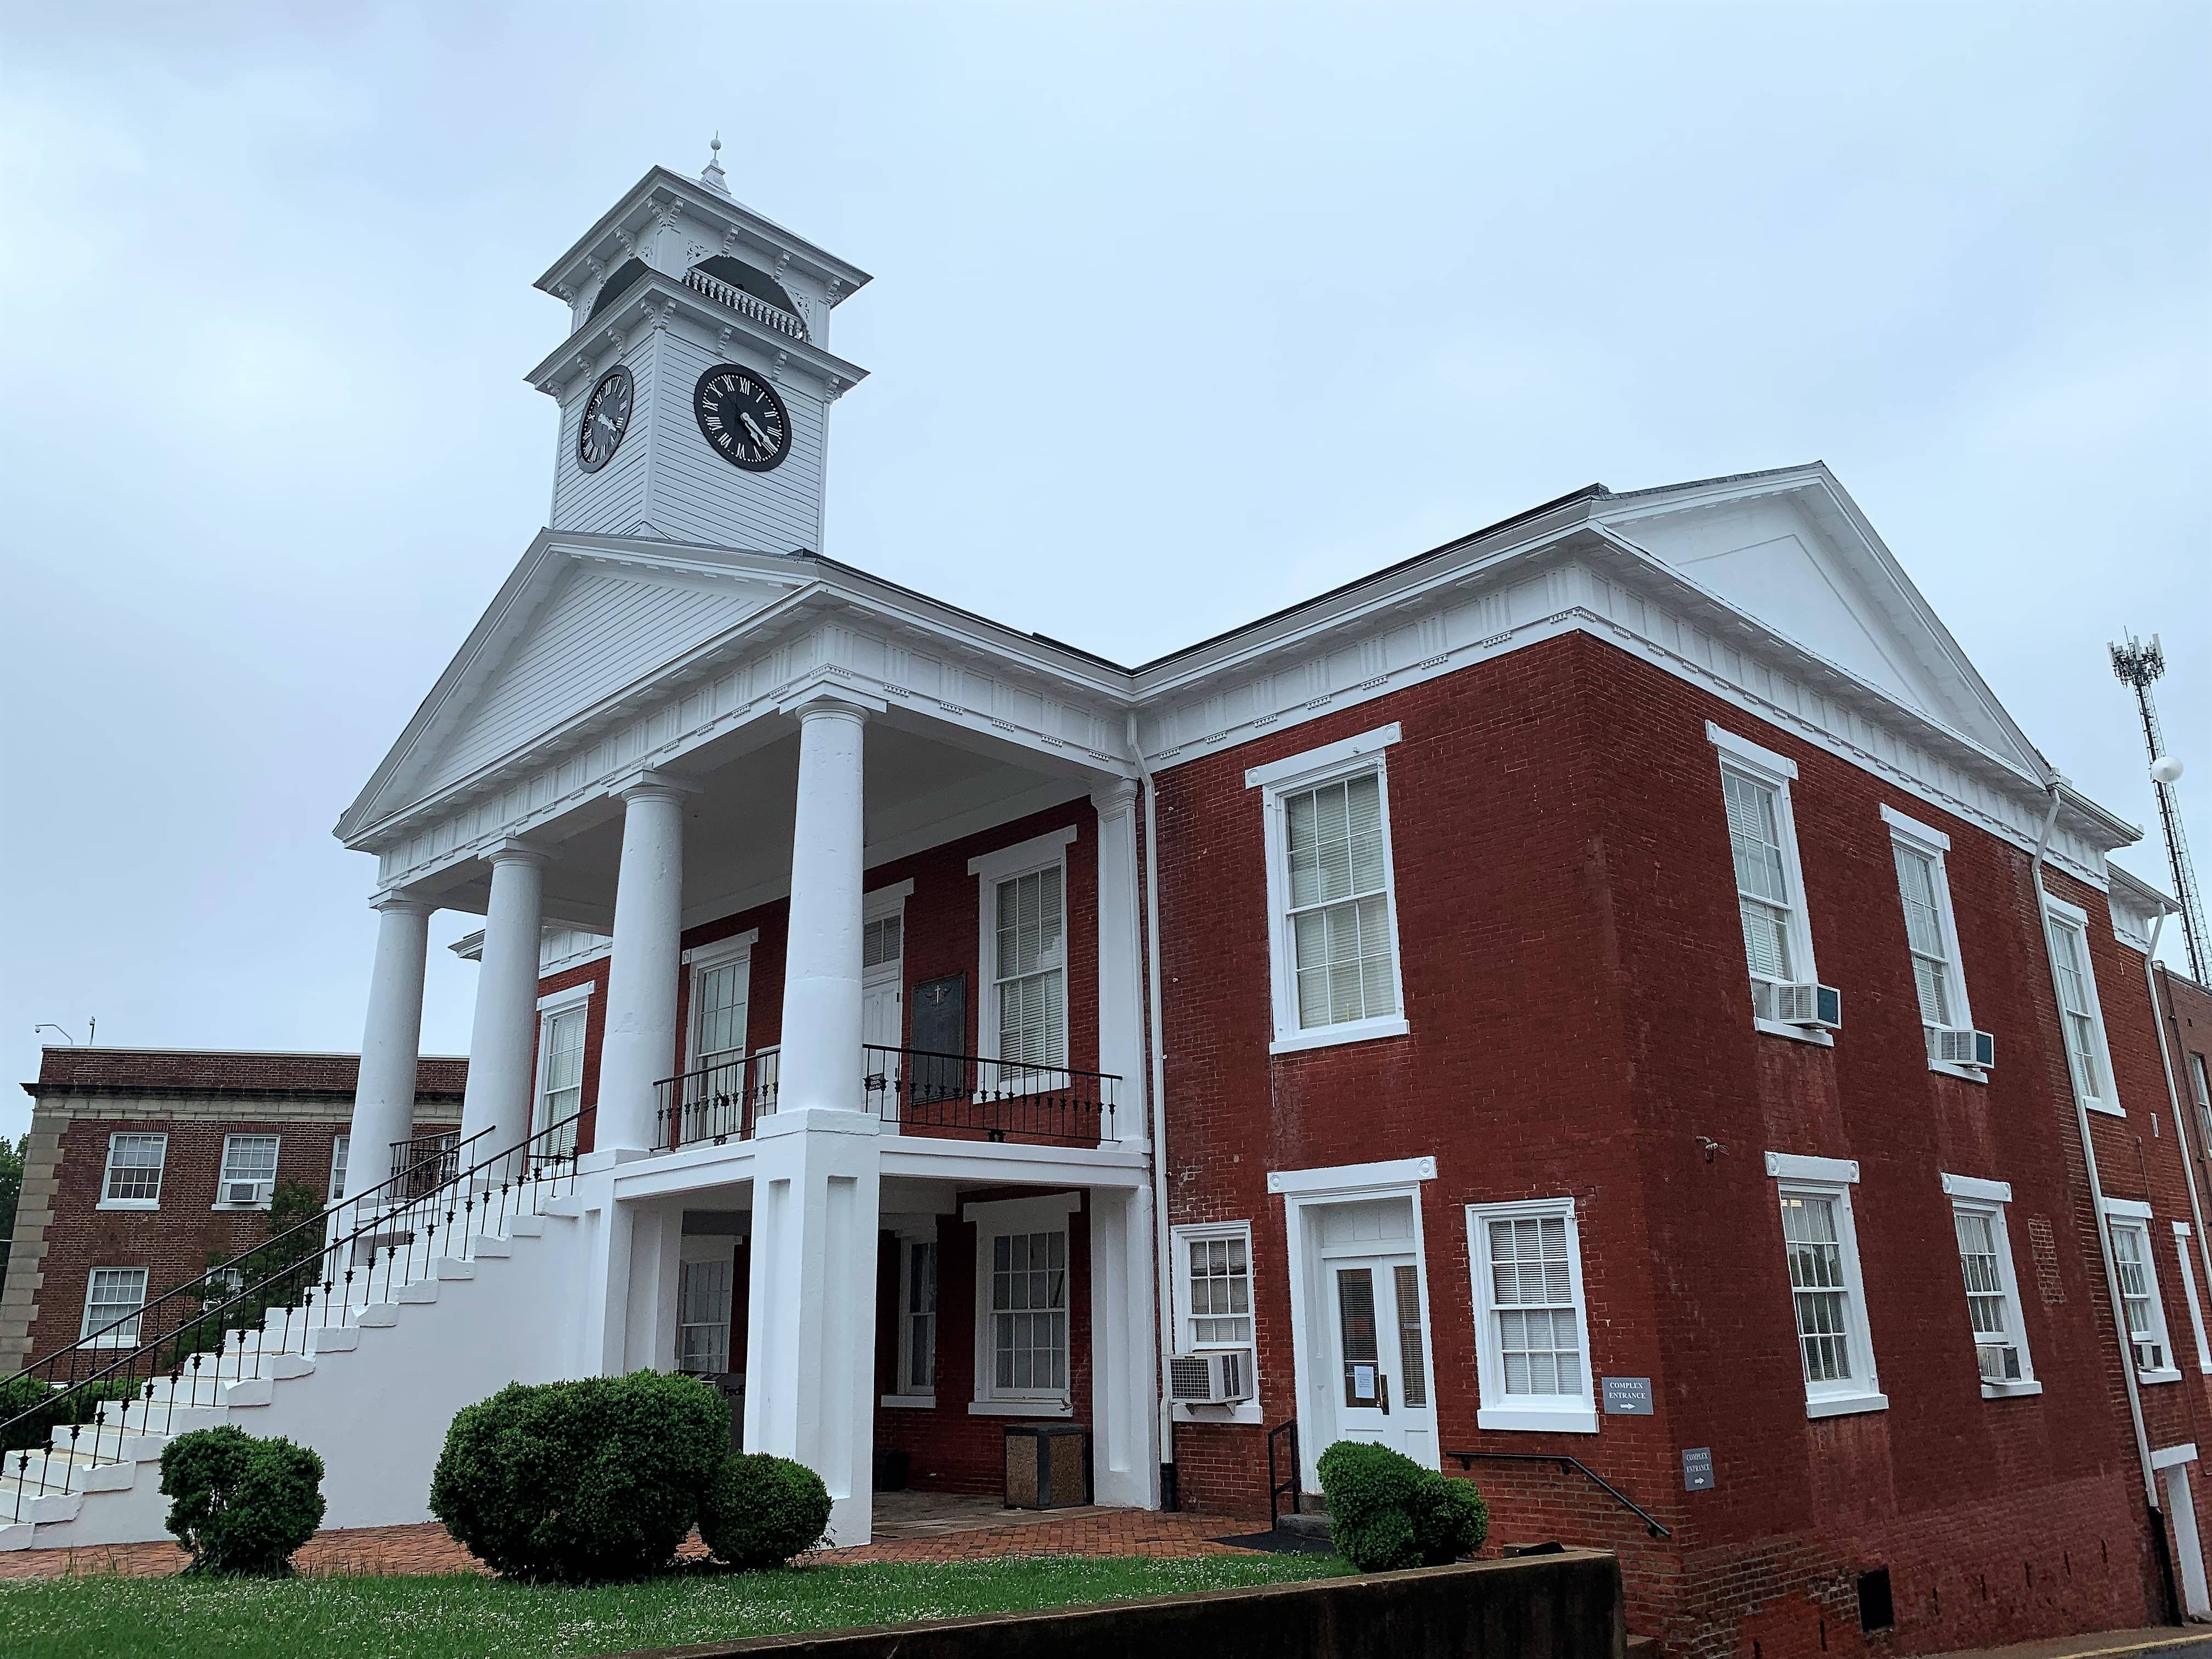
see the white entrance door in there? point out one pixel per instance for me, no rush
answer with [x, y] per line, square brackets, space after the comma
[883, 1023]
[1368, 1328]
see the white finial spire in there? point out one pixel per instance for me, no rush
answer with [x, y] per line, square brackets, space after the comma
[713, 176]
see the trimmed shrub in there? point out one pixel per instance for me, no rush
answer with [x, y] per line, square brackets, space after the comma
[760, 1510]
[239, 1503]
[591, 1479]
[50, 1408]
[1386, 1511]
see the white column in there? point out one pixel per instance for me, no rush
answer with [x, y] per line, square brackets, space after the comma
[1125, 1460]
[647, 960]
[1121, 967]
[821, 1062]
[503, 1043]
[390, 1041]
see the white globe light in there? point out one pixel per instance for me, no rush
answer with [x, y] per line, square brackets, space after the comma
[2166, 769]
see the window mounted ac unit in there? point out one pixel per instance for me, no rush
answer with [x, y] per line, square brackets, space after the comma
[2150, 1356]
[1821, 1006]
[1999, 1362]
[242, 1192]
[1961, 1047]
[1210, 1379]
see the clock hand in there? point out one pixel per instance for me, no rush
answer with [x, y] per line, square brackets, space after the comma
[759, 436]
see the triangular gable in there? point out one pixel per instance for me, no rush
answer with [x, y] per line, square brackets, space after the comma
[572, 627]
[1791, 551]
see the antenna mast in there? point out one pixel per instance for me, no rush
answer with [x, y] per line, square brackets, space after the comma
[2137, 665]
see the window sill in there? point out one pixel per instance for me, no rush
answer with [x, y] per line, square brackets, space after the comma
[240, 1209]
[1812, 1034]
[128, 1204]
[1327, 1037]
[2158, 1377]
[1963, 1073]
[1845, 1405]
[1049, 1408]
[913, 1402]
[1538, 1419]
[2011, 1390]
[1246, 1413]
[2103, 1110]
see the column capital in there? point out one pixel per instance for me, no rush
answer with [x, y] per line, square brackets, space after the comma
[650, 783]
[404, 905]
[1113, 796]
[519, 852]
[826, 700]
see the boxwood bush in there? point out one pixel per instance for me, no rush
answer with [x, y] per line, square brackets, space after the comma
[598, 1479]
[49, 1409]
[1386, 1511]
[759, 1511]
[239, 1503]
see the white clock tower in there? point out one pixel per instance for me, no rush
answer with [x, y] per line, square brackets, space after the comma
[696, 382]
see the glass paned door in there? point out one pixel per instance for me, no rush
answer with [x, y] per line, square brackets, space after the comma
[1380, 1368]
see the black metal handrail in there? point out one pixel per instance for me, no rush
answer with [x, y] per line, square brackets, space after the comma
[1467, 1460]
[1276, 1487]
[970, 1095]
[128, 1379]
[429, 1161]
[715, 1105]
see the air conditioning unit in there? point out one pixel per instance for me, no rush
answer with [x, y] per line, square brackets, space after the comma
[242, 1192]
[1999, 1362]
[2150, 1356]
[1961, 1047]
[1210, 1379]
[1802, 1004]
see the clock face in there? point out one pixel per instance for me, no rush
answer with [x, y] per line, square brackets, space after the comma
[606, 417]
[741, 417]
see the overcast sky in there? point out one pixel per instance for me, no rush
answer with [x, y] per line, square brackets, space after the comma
[1181, 313]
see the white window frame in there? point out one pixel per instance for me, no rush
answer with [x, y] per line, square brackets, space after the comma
[577, 999]
[1831, 1178]
[1315, 769]
[1244, 1411]
[905, 1395]
[341, 1161]
[1932, 844]
[722, 1259]
[223, 1177]
[1007, 864]
[1053, 1212]
[2181, 1237]
[1552, 1413]
[702, 960]
[107, 1174]
[115, 1339]
[2058, 915]
[1973, 1196]
[2130, 1215]
[1763, 766]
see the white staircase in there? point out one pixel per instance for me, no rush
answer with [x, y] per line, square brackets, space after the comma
[371, 1386]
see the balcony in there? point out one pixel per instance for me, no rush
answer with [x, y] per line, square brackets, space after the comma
[744, 304]
[952, 1096]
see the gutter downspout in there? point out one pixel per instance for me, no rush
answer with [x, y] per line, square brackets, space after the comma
[2097, 1188]
[2174, 1093]
[1163, 1265]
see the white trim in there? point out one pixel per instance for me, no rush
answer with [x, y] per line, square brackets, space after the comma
[223, 1177]
[1781, 768]
[1352, 1179]
[1043, 1405]
[715, 953]
[107, 1171]
[1318, 768]
[1328, 757]
[2133, 1216]
[1793, 1166]
[1048, 1212]
[702, 960]
[1846, 1405]
[1812, 1034]
[1018, 1215]
[907, 1240]
[559, 1002]
[1574, 1414]
[1912, 830]
[2188, 1295]
[141, 1204]
[918, 1403]
[1972, 1187]
[1245, 1412]
[1024, 856]
[2132, 1209]
[2074, 917]
[2166, 1457]
[883, 901]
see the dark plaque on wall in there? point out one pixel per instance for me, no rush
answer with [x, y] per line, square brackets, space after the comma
[939, 1023]
[1697, 1469]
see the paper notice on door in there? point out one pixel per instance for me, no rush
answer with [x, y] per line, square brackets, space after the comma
[1363, 1382]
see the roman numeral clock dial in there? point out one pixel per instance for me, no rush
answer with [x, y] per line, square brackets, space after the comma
[741, 417]
[606, 417]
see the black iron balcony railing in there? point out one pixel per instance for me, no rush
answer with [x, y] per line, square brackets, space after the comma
[715, 1105]
[967, 1095]
[426, 1162]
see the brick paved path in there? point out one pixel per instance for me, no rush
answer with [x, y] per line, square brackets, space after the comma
[426, 1547]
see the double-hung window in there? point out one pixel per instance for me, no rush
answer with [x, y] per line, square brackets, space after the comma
[1333, 923]
[249, 1172]
[1770, 882]
[562, 1017]
[112, 1297]
[2080, 1014]
[1023, 1023]
[2127, 1225]
[703, 1293]
[2200, 1086]
[1820, 1244]
[1023, 1359]
[1531, 1328]
[1931, 935]
[917, 1321]
[341, 1151]
[1978, 1218]
[134, 1172]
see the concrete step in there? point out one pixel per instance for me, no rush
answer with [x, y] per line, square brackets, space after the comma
[525, 1226]
[378, 1316]
[567, 1207]
[485, 1244]
[1316, 1527]
[334, 1339]
[447, 1269]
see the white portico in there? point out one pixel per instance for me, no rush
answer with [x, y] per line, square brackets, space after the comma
[650, 731]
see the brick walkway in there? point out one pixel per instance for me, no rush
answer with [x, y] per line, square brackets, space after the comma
[425, 1548]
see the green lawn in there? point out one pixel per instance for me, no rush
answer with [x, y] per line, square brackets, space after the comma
[465, 1617]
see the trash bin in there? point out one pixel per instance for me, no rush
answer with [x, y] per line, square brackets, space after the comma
[891, 1471]
[1047, 1466]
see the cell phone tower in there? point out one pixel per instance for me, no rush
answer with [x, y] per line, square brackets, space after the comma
[2138, 665]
